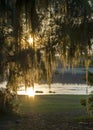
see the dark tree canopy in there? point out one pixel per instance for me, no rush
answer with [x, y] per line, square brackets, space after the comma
[32, 32]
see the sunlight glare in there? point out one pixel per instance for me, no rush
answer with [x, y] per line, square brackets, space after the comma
[30, 92]
[30, 40]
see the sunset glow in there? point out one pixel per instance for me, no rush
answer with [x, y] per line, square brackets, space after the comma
[30, 40]
[30, 92]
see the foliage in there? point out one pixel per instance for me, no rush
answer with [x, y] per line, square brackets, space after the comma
[8, 102]
[88, 103]
[90, 79]
[55, 26]
[83, 102]
[62, 27]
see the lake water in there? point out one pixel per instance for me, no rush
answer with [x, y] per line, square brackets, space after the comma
[69, 82]
[63, 83]
[77, 89]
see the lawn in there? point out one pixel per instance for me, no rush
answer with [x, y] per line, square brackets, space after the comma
[51, 104]
[49, 112]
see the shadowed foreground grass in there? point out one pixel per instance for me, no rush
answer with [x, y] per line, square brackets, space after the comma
[51, 104]
[49, 112]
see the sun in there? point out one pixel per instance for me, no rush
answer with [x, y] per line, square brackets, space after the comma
[30, 92]
[30, 40]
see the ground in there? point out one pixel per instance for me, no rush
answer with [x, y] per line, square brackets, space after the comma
[43, 122]
[58, 112]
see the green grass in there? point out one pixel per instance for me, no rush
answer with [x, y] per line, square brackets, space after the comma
[49, 112]
[51, 103]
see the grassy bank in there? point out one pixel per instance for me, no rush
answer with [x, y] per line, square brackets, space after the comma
[49, 112]
[52, 104]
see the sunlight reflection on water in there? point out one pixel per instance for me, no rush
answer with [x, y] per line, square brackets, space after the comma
[56, 88]
[69, 84]
[60, 89]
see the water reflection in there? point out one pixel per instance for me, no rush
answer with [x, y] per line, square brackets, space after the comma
[59, 88]
[67, 83]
